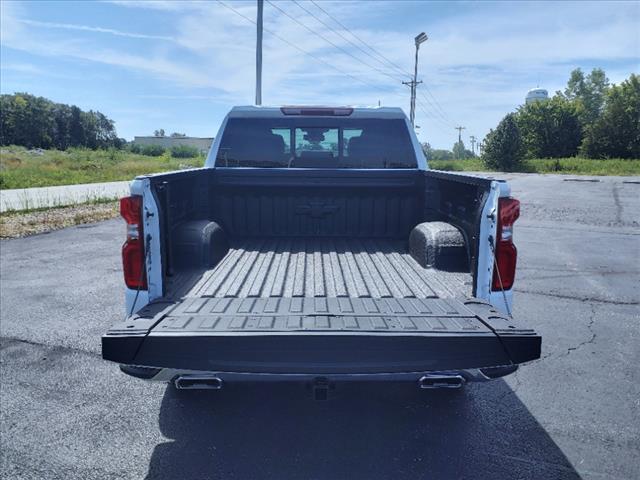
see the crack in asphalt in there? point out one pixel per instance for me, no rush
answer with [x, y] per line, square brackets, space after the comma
[584, 230]
[579, 299]
[592, 320]
[592, 338]
[575, 273]
[10, 340]
[590, 324]
[573, 270]
[616, 200]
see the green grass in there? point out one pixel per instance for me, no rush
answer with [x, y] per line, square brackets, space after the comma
[21, 169]
[571, 166]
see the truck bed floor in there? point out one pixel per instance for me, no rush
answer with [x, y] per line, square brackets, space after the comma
[325, 267]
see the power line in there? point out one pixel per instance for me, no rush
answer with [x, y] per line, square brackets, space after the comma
[312, 31]
[438, 110]
[271, 32]
[333, 67]
[400, 69]
[351, 42]
[346, 52]
[435, 114]
[435, 104]
[437, 125]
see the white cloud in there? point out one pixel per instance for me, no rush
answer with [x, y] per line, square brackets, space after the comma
[166, 5]
[87, 28]
[23, 68]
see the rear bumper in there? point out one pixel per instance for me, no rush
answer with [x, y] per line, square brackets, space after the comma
[170, 374]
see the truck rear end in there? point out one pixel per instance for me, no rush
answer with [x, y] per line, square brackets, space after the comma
[315, 244]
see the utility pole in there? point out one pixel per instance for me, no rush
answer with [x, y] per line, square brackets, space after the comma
[459, 144]
[421, 38]
[473, 144]
[259, 53]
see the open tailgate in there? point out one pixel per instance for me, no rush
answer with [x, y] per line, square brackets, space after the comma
[320, 335]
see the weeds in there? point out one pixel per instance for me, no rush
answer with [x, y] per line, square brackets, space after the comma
[574, 166]
[22, 168]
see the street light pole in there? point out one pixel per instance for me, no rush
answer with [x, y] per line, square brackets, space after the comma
[414, 87]
[259, 53]
[421, 38]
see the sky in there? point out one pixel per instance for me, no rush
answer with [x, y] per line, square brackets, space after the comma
[181, 66]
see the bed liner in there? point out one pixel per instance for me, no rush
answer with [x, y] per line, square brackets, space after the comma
[322, 305]
[324, 267]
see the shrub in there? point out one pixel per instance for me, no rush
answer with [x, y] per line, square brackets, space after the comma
[184, 151]
[503, 146]
[134, 147]
[152, 150]
[437, 154]
[550, 128]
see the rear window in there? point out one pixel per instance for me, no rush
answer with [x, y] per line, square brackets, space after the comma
[305, 142]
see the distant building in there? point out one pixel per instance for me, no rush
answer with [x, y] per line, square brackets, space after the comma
[202, 144]
[536, 95]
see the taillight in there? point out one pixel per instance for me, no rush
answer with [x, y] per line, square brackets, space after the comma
[504, 271]
[133, 263]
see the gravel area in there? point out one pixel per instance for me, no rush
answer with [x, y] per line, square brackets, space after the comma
[23, 224]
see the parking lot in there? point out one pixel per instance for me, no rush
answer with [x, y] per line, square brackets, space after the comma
[66, 413]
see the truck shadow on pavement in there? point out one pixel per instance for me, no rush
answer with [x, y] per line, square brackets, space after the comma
[362, 431]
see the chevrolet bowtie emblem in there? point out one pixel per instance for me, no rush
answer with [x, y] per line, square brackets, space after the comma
[316, 209]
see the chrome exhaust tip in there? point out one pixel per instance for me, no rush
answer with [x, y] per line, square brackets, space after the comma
[441, 381]
[198, 382]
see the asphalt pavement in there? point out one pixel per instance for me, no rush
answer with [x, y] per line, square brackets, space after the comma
[65, 413]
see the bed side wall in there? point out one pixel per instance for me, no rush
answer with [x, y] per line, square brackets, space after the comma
[459, 200]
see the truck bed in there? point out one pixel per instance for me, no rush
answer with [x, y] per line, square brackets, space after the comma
[324, 267]
[304, 305]
[315, 277]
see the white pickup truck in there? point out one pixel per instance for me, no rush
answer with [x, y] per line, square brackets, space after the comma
[316, 245]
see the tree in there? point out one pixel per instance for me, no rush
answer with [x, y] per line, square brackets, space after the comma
[588, 93]
[503, 146]
[62, 116]
[616, 133]
[158, 133]
[550, 129]
[177, 135]
[459, 150]
[38, 122]
[76, 130]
